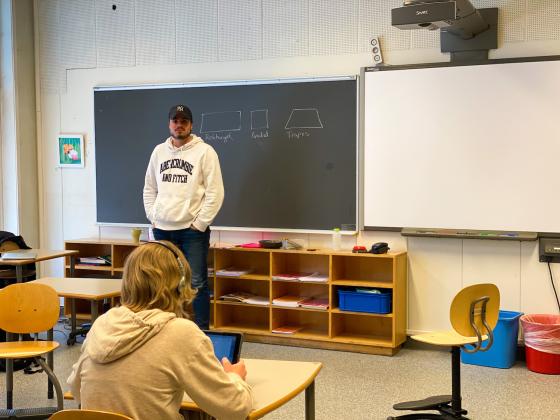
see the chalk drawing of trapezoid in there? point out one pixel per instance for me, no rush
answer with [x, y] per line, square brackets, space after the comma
[304, 118]
[259, 119]
[214, 122]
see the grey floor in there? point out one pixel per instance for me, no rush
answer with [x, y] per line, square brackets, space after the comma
[359, 386]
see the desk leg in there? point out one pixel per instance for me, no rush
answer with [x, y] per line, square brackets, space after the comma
[72, 265]
[50, 363]
[19, 273]
[310, 401]
[72, 336]
[73, 315]
[94, 311]
[9, 377]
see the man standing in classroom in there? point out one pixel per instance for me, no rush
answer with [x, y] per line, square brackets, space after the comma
[183, 192]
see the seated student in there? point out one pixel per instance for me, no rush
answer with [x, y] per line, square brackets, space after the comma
[139, 358]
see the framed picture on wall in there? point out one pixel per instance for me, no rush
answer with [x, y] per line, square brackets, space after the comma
[71, 150]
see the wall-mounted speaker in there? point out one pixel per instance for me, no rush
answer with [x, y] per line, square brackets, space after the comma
[376, 51]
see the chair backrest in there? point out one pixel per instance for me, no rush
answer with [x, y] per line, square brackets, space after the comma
[475, 310]
[88, 415]
[28, 308]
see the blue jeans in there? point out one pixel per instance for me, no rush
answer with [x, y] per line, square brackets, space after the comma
[194, 245]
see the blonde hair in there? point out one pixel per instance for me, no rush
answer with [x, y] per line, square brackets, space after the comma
[151, 279]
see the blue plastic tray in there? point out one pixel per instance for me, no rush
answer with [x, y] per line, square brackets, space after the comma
[349, 300]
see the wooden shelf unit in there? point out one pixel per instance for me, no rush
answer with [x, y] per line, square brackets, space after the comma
[328, 329]
[116, 249]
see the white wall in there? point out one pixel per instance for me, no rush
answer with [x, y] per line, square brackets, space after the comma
[82, 44]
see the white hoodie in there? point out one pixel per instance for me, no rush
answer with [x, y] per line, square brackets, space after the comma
[183, 185]
[140, 364]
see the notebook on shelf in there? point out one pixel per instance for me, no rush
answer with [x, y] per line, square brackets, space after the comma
[315, 303]
[289, 301]
[287, 329]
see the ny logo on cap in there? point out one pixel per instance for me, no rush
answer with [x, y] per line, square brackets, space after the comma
[180, 108]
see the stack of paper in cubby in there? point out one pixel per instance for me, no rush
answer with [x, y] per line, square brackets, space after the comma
[288, 301]
[288, 276]
[314, 277]
[245, 297]
[232, 272]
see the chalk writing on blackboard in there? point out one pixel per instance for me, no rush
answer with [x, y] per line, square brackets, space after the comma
[223, 137]
[304, 118]
[297, 134]
[215, 122]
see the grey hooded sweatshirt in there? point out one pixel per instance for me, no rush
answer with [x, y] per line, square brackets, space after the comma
[140, 364]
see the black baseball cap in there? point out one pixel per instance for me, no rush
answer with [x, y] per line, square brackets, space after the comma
[182, 111]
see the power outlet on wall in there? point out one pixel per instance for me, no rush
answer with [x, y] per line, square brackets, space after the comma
[549, 249]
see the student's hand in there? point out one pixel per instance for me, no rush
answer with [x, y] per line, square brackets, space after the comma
[238, 368]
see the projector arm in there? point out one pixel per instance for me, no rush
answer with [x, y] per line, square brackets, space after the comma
[468, 21]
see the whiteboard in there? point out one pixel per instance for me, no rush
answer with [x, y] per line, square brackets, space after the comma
[463, 147]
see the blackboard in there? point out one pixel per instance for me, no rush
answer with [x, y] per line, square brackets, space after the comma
[287, 149]
[470, 146]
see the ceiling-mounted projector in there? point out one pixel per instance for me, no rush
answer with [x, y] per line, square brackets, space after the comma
[458, 17]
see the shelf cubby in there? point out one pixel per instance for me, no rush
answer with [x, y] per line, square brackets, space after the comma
[119, 255]
[362, 328]
[242, 317]
[307, 290]
[357, 269]
[283, 263]
[88, 250]
[258, 263]
[313, 324]
[225, 285]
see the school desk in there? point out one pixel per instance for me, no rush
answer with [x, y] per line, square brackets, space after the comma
[274, 383]
[92, 289]
[38, 255]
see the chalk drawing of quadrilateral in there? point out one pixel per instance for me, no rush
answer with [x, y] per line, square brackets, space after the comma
[259, 119]
[214, 122]
[304, 118]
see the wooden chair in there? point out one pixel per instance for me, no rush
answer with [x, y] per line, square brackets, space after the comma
[88, 415]
[27, 308]
[473, 314]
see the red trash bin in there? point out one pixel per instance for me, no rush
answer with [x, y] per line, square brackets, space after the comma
[541, 333]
